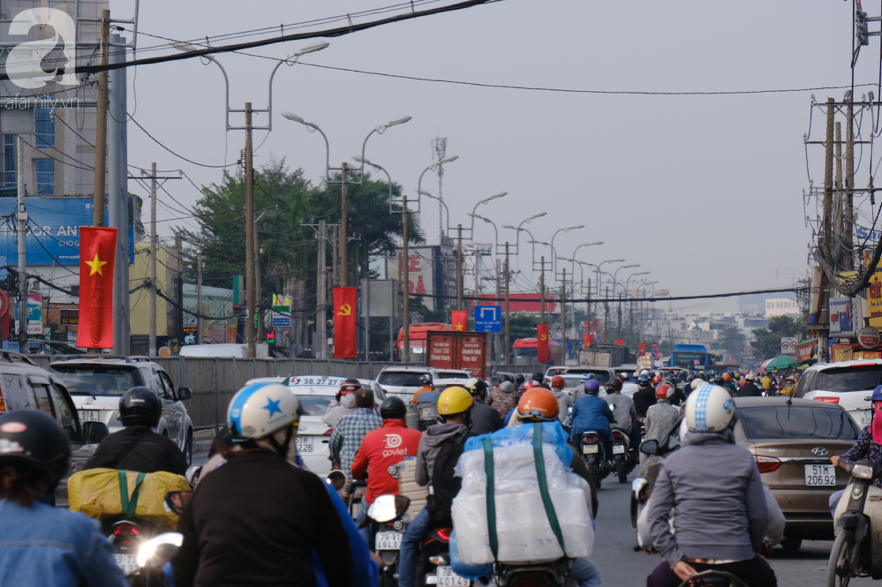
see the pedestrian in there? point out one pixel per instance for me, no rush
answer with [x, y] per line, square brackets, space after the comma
[351, 430]
[503, 399]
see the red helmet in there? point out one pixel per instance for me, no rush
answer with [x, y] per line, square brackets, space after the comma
[664, 391]
[530, 385]
[557, 382]
[657, 379]
[350, 386]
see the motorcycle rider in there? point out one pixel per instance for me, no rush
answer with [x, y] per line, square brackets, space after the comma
[749, 389]
[352, 428]
[136, 447]
[380, 449]
[345, 403]
[868, 445]
[519, 382]
[539, 378]
[503, 399]
[623, 409]
[660, 418]
[729, 383]
[592, 413]
[721, 512]
[42, 544]
[441, 443]
[484, 418]
[257, 519]
[564, 401]
[428, 387]
[644, 396]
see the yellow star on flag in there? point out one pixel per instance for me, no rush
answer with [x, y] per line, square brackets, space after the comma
[459, 326]
[95, 265]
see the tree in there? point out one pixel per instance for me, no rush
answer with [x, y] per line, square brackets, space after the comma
[522, 326]
[767, 341]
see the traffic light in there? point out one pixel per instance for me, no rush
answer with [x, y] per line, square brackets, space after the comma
[271, 337]
[862, 29]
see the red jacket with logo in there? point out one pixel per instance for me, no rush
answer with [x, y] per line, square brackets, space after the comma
[382, 448]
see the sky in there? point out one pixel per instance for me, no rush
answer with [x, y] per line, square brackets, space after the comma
[705, 192]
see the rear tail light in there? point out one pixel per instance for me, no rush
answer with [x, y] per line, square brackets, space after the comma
[328, 432]
[827, 399]
[2, 401]
[617, 436]
[590, 439]
[767, 464]
[444, 534]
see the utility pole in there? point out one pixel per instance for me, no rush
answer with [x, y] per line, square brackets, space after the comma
[588, 306]
[179, 280]
[542, 290]
[507, 328]
[828, 180]
[405, 261]
[249, 236]
[849, 186]
[498, 298]
[606, 318]
[199, 327]
[321, 317]
[620, 317]
[152, 338]
[631, 322]
[344, 228]
[335, 250]
[258, 295]
[838, 218]
[101, 127]
[563, 316]
[118, 195]
[459, 267]
[22, 249]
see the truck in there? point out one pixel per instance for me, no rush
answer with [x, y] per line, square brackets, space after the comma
[450, 349]
[603, 355]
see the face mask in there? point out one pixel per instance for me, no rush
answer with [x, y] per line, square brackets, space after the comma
[876, 426]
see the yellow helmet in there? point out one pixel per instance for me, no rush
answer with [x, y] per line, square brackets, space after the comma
[454, 400]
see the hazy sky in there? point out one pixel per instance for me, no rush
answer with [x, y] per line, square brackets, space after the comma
[703, 191]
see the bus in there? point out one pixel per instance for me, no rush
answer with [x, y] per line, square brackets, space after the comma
[526, 352]
[692, 356]
[417, 340]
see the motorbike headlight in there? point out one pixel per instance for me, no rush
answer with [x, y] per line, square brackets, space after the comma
[862, 471]
[438, 560]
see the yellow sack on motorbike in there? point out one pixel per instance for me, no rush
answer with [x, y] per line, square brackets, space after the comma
[102, 493]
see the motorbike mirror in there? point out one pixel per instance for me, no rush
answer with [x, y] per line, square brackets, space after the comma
[176, 500]
[337, 480]
[159, 550]
[193, 474]
[384, 509]
[402, 502]
[94, 432]
[649, 447]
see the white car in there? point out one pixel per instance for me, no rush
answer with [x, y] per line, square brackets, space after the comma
[403, 382]
[316, 394]
[848, 383]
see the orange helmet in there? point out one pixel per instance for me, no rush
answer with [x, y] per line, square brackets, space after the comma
[727, 377]
[538, 405]
[557, 382]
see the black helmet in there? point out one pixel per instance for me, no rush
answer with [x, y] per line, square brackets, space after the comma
[393, 409]
[644, 381]
[476, 386]
[35, 440]
[718, 380]
[519, 378]
[614, 384]
[538, 377]
[140, 405]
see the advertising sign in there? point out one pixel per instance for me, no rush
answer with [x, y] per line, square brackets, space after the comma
[459, 350]
[788, 345]
[869, 337]
[874, 299]
[805, 351]
[422, 263]
[53, 236]
[35, 314]
[70, 316]
[845, 317]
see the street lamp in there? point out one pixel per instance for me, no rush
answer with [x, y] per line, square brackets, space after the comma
[518, 234]
[377, 166]
[495, 232]
[484, 201]
[601, 264]
[616, 272]
[567, 229]
[628, 280]
[433, 167]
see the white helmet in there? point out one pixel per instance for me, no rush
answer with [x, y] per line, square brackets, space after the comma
[709, 409]
[645, 372]
[696, 383]
[260, 409]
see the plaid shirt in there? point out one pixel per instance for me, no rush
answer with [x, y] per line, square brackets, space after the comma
[348, 434]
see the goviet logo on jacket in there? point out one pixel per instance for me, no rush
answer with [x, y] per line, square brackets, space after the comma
[393, 442]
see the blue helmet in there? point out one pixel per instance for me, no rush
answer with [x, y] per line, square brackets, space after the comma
[877, 394]
[591, 386]
[644, 381]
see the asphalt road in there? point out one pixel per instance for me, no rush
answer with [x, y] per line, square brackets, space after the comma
[615, 539]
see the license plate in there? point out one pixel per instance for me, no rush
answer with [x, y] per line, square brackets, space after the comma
[589, 449]
[820, 475]
[304, 444]
[388, 541]
[618, 449]
[127, 562]
[90, 416]
[447, 578]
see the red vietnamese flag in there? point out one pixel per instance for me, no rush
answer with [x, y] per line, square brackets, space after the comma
[97, 258]
[460, 319]
[344, 323]
[587, 340]
[542, 343]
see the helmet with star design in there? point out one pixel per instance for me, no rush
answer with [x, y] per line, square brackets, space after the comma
[261, 409]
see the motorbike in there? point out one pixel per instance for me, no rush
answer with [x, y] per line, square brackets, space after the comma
[153, 554]
[594, 456]
[641, 487]
[713, 579]
[357, 492]
[546, 574]
[857, 524]
[388, 521]
[127, 535]
[624, 456]
[434, 565]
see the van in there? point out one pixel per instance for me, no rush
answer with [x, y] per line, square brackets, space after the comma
[223, 350]
[847, 383]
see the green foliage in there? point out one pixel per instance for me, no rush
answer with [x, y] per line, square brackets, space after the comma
[417, 304]
[733, 340]
[522, 326]
[766, 342]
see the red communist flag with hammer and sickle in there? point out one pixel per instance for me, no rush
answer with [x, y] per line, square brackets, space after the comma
[97, 257]
[345, 346]
[542, 343]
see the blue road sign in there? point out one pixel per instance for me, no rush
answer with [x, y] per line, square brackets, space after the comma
[488, 318]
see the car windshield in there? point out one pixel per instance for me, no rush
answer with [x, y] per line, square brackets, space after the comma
[315, 405]
[400, 378]
[796, 423]
[98, 379]
[451, 375]
[571, 382]
[839, 379]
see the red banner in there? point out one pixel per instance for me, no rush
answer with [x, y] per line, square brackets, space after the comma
[641, 348]
[460, 320]
[344, 323]
[805, 351]
[542, 345]
[620, 341]
[97, 258]
[587, 340]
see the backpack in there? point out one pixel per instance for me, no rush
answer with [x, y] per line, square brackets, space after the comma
[445, 485]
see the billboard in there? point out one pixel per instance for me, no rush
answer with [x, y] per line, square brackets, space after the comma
[424, 264]
[53, 236]
[846, 316]
[528, 303]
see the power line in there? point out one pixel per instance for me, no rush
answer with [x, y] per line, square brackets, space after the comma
[158, 142]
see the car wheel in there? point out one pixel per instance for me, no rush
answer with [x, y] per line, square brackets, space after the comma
[188, 450]
[791, 542]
